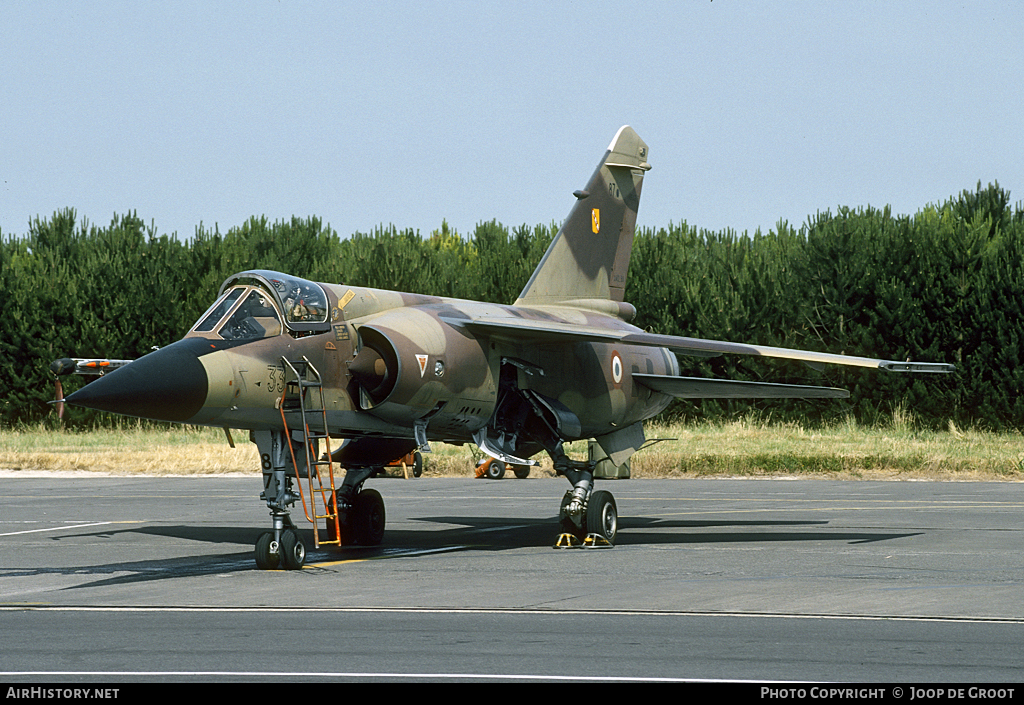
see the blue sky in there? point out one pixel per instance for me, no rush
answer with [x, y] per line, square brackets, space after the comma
[408, 113]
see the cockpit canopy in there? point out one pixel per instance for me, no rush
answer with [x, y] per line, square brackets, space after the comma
[250, 306]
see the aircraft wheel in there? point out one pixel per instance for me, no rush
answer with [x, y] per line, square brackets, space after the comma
[496, 470]
[265, 560]
[346, 533]
[602, 515]
[368, 518]
[293, 551]
[417, 464]
[521, 471]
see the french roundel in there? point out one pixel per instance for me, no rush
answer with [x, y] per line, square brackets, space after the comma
[616, 367]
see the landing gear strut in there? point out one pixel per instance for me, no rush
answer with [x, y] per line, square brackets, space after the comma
[282, 547]
[586, 517]
[524, 419]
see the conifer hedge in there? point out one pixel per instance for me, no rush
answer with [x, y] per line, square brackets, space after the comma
[945, 284]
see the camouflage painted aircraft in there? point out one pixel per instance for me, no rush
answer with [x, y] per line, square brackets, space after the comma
[298, 363]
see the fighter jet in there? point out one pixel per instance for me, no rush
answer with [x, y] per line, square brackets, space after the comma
[299, 364]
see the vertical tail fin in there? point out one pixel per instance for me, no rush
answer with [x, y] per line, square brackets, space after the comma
[589, 257]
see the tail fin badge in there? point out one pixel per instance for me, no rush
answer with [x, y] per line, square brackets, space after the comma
[595, 220]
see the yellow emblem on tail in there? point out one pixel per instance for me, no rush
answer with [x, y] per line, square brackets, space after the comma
[595, 220]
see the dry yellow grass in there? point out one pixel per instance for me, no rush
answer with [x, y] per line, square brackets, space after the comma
[843, 451]
[131, 450]
[748, 447]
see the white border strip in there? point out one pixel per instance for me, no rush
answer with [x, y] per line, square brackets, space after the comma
[378, 674]
[36, 607]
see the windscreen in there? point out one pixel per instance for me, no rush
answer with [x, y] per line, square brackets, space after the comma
[303, 306]
[255, 318]
[216, 312]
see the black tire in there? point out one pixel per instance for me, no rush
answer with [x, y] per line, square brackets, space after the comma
[521, 471]
[329, 523]
[293, 551]
[265, 560]
[602, 515]
[417, 464]
[368, 518]
[496, 470]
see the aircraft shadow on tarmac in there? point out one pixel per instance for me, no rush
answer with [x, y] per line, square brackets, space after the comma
[206, 534]
[143, 571]
[465, 533]
[654, 532]
[639, 531]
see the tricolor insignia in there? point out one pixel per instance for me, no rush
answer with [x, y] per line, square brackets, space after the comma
[422, 360]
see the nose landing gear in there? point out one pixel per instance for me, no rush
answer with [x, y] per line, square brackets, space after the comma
[289, 552]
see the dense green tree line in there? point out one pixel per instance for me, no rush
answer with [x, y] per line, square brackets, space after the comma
[945, 284]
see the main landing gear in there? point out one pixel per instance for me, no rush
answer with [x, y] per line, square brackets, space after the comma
[361, 518]
[586, 518]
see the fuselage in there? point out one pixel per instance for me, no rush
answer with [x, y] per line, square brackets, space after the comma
[386, 359]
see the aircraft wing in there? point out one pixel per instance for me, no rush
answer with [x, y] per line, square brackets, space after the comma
[699, 388]
[523, 329]
[558, 332]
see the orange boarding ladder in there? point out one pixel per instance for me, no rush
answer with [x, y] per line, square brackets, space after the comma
[307, 377]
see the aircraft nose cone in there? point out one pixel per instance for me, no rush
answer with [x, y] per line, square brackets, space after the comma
[169, 384]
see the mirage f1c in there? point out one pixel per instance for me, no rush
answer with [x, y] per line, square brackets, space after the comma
[300, 364]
